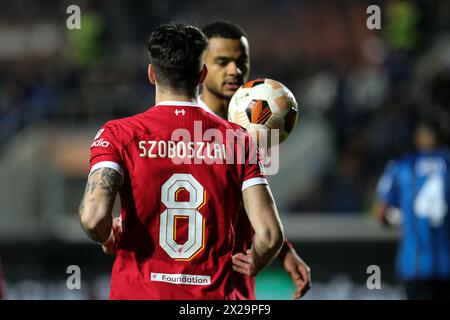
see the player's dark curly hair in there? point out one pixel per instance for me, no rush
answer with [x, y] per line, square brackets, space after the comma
[223, 29]
[176, 53]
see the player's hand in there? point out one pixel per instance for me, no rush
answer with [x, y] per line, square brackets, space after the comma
[111, 245]
[243, 263]
[299, 271]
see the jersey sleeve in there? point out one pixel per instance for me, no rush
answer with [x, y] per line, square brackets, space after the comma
[253, 168]
[105, 150]
[387, 189]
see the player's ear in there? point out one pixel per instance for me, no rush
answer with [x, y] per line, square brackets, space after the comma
[151, 74]
[203, 74]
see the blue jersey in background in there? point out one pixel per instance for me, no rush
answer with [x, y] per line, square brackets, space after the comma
[418, 185]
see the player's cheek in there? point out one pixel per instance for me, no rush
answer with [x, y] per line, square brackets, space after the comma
[217, 79]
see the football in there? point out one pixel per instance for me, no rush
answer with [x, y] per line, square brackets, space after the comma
[264, 105]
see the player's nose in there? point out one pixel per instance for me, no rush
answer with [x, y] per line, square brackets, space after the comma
[233, 69]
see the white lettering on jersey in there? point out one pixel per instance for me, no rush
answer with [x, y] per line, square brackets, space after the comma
[191, 149]
[100, 143]
[152, 147]
[173, 149]
[429, 166]
[191, 279]
[142, 147]
[200, 150]
[99, 133]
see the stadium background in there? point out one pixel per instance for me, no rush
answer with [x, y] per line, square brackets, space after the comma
[359, 91]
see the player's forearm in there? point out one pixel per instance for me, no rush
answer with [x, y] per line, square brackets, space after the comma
[98, 201]
[285, 249]
[263, 215]
[379, 212]
[266, 247]
[96, 222]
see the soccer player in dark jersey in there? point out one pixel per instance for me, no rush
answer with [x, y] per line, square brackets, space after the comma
[228, 62]
[418, 185]
[182, 174]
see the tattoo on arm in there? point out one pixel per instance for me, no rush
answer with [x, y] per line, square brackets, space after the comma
[105, 179]
[101, 190]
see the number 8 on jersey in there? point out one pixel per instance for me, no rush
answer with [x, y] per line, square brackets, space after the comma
[189, 209]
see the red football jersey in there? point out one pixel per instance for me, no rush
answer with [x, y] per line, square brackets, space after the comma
[183, 172]
[245, 285]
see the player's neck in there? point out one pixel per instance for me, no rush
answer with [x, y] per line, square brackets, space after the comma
[165, 95]
[217, 105]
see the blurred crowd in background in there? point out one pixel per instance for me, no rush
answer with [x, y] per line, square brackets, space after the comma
[368, 86]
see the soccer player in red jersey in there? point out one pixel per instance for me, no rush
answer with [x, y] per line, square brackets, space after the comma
[181, 173]
[228, 62]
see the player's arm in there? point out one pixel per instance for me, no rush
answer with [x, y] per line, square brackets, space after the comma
[297, 269]
[263, 215]
[386, 193]
[379, 212]
[97, 205]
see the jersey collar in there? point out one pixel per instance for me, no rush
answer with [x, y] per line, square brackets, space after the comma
[178, 103]
[203, 105]
[199, 104]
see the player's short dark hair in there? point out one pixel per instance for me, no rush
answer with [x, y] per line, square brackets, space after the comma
[176, 52]
[434, 125]
[224, 29]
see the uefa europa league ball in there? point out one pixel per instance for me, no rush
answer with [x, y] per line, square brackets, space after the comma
[264, 105]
